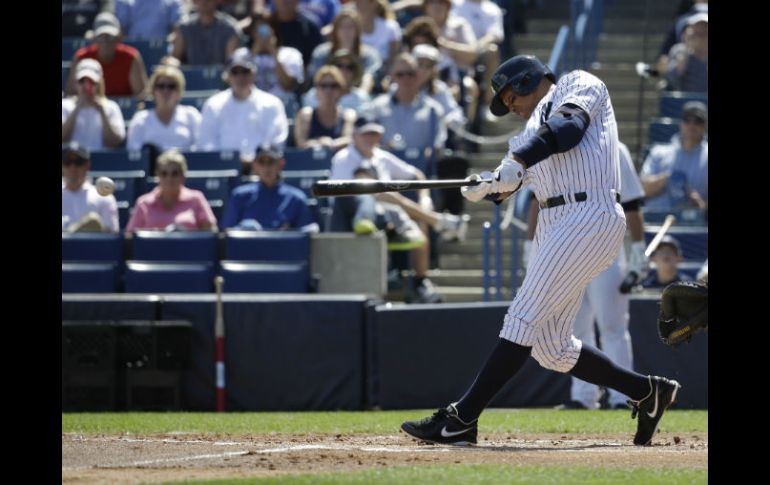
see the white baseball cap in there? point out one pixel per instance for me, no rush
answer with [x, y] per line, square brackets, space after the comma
[89, 68]
[426, 51]
[106, 23]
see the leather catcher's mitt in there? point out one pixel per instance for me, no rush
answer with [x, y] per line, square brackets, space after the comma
[684, 310]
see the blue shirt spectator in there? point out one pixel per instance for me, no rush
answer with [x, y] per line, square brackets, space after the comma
[148, 19]
[320, 12]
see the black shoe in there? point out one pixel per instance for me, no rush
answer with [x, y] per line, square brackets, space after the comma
[650, 409]
[444, 427]
[571, 405]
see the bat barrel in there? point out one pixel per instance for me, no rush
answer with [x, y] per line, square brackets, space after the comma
[331, 188]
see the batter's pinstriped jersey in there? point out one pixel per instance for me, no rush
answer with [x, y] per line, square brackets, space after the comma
[593, 163]
[630, 184]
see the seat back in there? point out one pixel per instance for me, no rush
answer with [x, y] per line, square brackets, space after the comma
[240, 277]
[91, 277]
[267, 246]
[92, 246]
[307, 159]
[156, 277]
[672, 103]
[175, 246]
[119, 160]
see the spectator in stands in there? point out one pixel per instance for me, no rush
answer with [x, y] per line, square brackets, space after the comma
[206, 36]
[295, 29]
[82, 208]
[242, 117]
[171, 206]
[89, 118]
[688, 61]
[675, 175]
[411, 120]
[77, 16]
[269, 204]
[320, 12]
[666, 257]
[430, 85]
[353, 95]
[486, 20]
[169, 124]
[123, 66]
[379, 29]
[148, 19]
[686, 10]
[328, 125]
[346, 34]
[240, 10]
[366, 138]
[280, 69]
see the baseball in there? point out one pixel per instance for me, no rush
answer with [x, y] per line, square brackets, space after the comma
[105, 186]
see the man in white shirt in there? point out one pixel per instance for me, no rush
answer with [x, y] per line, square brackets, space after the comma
[82, 208]
[242, 117]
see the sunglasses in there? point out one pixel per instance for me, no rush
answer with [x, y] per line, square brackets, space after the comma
[169, 173]
[349, 67]
[328, 86]
[694, 119]
[167, 86]
[426, 65]
[239, 71]
[405, 74]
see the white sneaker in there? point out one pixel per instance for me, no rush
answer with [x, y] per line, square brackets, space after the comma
[453, 227]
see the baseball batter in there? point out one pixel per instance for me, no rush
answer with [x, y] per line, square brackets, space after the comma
[568, 154]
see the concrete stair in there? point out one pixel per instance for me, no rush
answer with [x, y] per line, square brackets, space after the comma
[459, 277]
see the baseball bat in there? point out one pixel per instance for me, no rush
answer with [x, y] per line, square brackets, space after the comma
[219, 335]
[632, 277]
[331, 188]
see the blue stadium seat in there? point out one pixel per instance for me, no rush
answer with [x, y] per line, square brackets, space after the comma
[152, 50]
[216, 160]
[415, 157]
[127, 106]
[69, 45]
[308, 159]
[684, 217]
[267, 246]
[671, 104]
[90, 277]
[198, 78]
[119, 160]
[92, 246]
[304, 179]
[662, 129]
[156, 277]
[65, 72]
[692, 239]
[175, 246]
[265, 277]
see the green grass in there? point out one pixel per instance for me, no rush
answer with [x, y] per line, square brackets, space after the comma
[487, 474]
[386, 422]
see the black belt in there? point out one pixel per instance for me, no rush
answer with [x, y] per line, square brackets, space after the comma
[559, 200]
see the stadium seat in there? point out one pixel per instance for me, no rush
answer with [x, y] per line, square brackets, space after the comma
[168, 277]
[304, 179]
[214, 160]
[198, 78]
[243, 277]
[69, 45]
[267, 246]
[92, 246]
[152, 50]
[175, 246]
[415, 157]
[662, 129]
[65, 72]
[119, 160]
[127, 106]
[672, 103]
[92, 277]
[307, 159]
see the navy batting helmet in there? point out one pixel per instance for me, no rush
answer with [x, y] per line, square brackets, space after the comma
[523, 74]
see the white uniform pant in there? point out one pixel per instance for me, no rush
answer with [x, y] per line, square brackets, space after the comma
[573, 243]
[609, 307]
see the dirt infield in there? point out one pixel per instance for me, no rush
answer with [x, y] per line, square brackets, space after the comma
[132, 459]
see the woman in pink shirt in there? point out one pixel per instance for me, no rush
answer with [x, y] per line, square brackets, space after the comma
[171, 205]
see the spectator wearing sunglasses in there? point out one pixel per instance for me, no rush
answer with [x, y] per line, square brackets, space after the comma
[169, 124]
[82, 208]
[675, 175]
[242, 117]
[353, 95]
[89, 118]
[328, 125]
[171, 205]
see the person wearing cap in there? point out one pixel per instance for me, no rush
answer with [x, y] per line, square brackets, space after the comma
[366, 138]
[242, 117]
[171, 206]
[430, 85]
[169, 124]
[82, 208]
[675, 175]
[280, 69]
[123, 66]
[346, 34]
[269, 204]
[89, 118]
[354, 96]
[328, 125]
[411, 120]
[666, 258]
[206, 36]
[688, 62]
[148, 19]
[674, 34]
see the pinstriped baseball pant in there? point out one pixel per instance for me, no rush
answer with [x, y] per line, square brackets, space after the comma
[573, 243]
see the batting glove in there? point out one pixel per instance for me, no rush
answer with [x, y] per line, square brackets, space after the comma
[508, 176]
[476, 193]
[637, 260]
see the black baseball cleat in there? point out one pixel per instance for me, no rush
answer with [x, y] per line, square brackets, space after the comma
[650, 409]
[445, 428]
